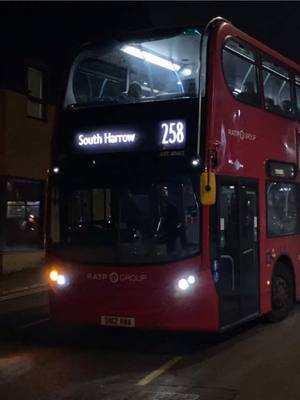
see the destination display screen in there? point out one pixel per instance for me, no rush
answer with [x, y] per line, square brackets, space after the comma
[281, 169]
[164, 135]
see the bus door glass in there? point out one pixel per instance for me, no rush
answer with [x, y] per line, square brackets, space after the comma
[235, 255]
[249, 281]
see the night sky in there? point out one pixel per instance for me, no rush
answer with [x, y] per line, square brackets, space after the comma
[53, 30]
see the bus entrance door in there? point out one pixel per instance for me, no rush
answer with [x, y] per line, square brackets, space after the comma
[235, 251]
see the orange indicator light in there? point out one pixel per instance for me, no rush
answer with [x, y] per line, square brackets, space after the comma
[53, 275]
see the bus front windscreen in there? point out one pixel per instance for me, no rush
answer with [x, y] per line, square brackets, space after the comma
[153, 222]
[137, 71]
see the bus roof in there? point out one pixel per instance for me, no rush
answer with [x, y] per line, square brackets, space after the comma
[216, 23]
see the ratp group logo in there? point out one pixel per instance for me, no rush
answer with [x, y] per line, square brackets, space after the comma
[242, 134]
[114, 277]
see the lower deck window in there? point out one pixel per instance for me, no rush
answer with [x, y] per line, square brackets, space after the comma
[282, 207]
[136, 223]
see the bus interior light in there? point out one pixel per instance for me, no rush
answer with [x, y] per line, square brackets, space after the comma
[186, 71]
[152, 58]
[56, 170]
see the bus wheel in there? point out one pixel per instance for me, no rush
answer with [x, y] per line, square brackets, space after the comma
[282, 293]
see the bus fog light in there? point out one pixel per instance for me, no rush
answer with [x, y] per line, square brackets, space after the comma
[183, 284]
[61, 280]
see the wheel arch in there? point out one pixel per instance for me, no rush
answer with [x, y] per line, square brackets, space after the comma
[286, 260]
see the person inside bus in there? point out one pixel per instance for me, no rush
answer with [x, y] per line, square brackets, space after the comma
[133, 94]
[170, 223]
[271, 106]
[189, 86]
[249, 94]
[135, 91]
[130, 218]
[286, 107]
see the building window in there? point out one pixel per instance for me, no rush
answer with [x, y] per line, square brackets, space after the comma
[241, 72]
[23, 213]
[283, 211]
[36, 106]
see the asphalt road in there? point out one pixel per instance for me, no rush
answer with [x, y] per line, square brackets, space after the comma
[41, 361]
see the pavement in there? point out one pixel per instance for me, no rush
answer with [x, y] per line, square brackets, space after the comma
[22, 283]
[23, 291]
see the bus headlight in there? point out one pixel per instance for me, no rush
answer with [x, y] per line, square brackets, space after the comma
[185, 283]
[57, 277]
[191, 279]
[61, 280]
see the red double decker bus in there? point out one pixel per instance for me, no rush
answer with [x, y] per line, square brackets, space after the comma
[174, 191]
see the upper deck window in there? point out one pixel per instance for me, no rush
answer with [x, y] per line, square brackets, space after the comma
[240, 71]
[138, 71]
[277, 89]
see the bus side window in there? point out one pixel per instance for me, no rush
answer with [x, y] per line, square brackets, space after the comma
[297, 80]
[241, 73]
[277, 89]
[283, 212]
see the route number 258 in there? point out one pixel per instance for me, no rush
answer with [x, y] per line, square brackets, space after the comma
[173, 132]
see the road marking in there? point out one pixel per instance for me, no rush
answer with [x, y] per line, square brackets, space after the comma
[34, 323]
[159, 371]
[25, 292]
[22, 288]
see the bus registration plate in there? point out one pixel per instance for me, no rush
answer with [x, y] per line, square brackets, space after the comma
[125, 322]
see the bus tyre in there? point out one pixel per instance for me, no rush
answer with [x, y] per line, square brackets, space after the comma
[282, 293]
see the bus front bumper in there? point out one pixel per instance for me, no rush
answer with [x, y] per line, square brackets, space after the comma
[159, 308]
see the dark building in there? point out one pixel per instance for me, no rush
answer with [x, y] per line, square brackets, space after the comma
[40, 39]
[26, 124]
